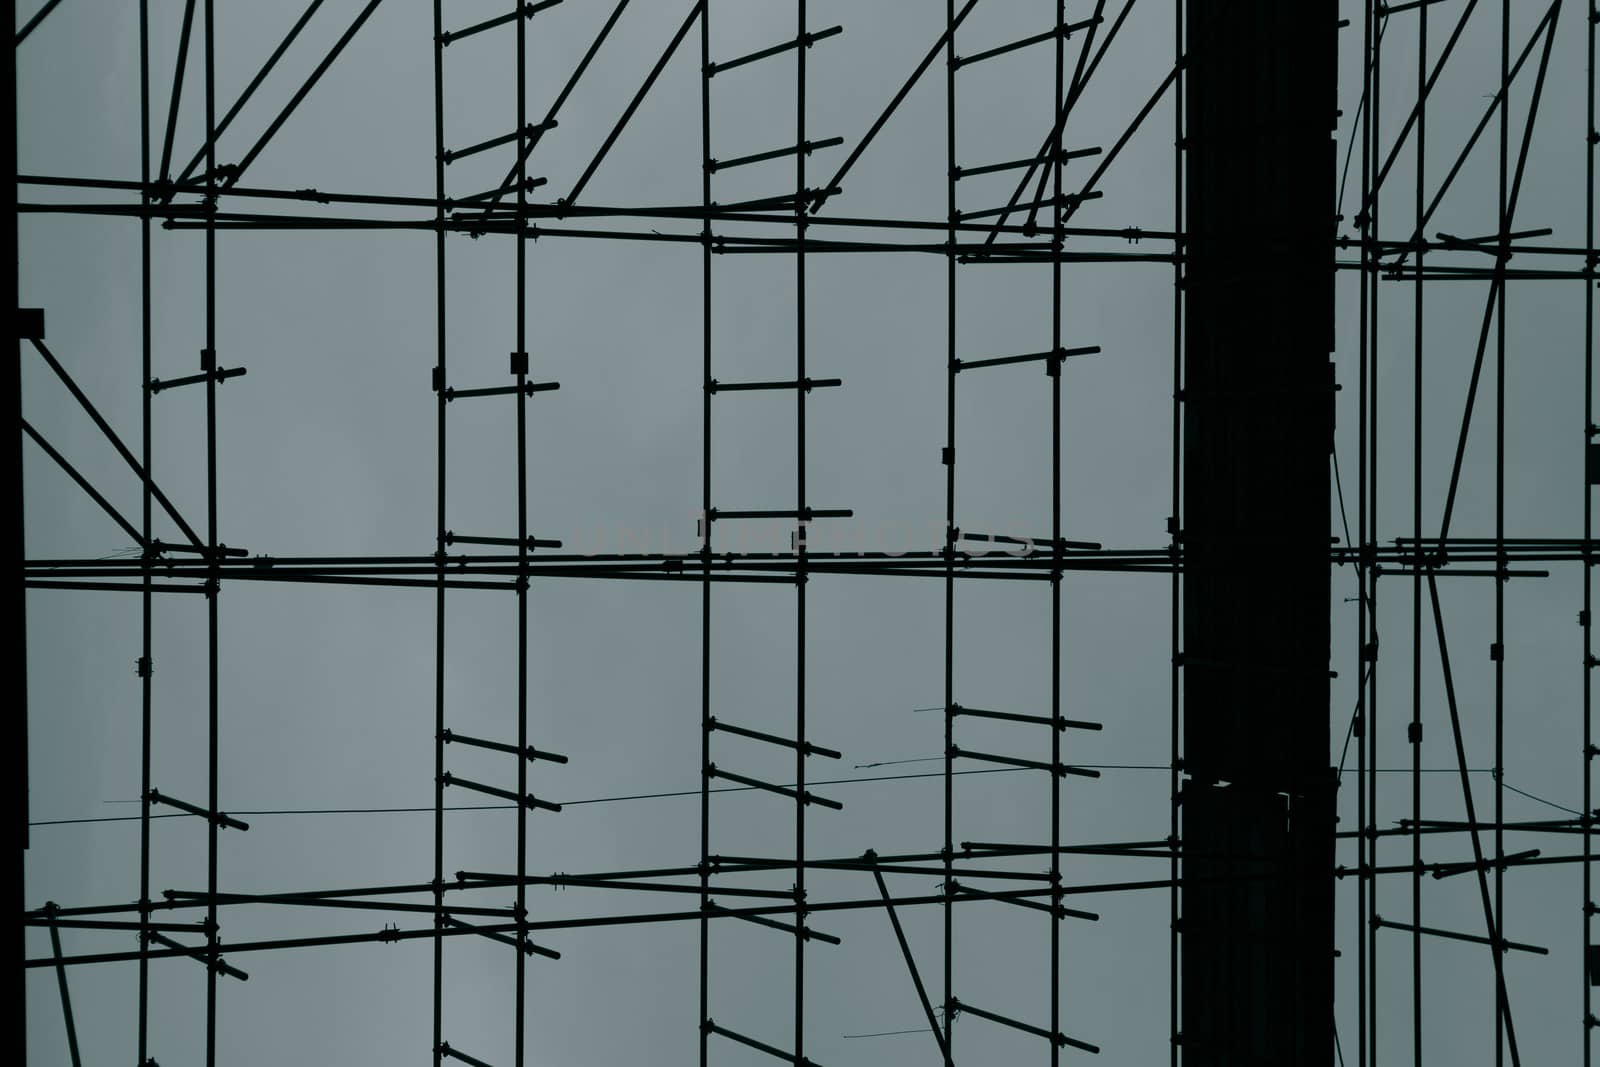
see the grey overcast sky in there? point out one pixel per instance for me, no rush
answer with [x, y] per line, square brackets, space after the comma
[326, 447]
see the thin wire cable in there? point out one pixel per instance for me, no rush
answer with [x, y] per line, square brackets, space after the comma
[1338, 483]
[507, 807]
[696, 792]
[1350, 730]
[1542, 800]
[1344, 173]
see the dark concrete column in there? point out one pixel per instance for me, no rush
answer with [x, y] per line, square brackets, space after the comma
[1257, 918]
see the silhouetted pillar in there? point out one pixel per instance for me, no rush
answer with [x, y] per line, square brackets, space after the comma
[1257, 904]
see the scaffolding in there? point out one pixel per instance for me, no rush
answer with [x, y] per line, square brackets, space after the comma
[1389, 273]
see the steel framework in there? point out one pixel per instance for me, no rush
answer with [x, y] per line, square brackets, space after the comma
[1400, 286]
